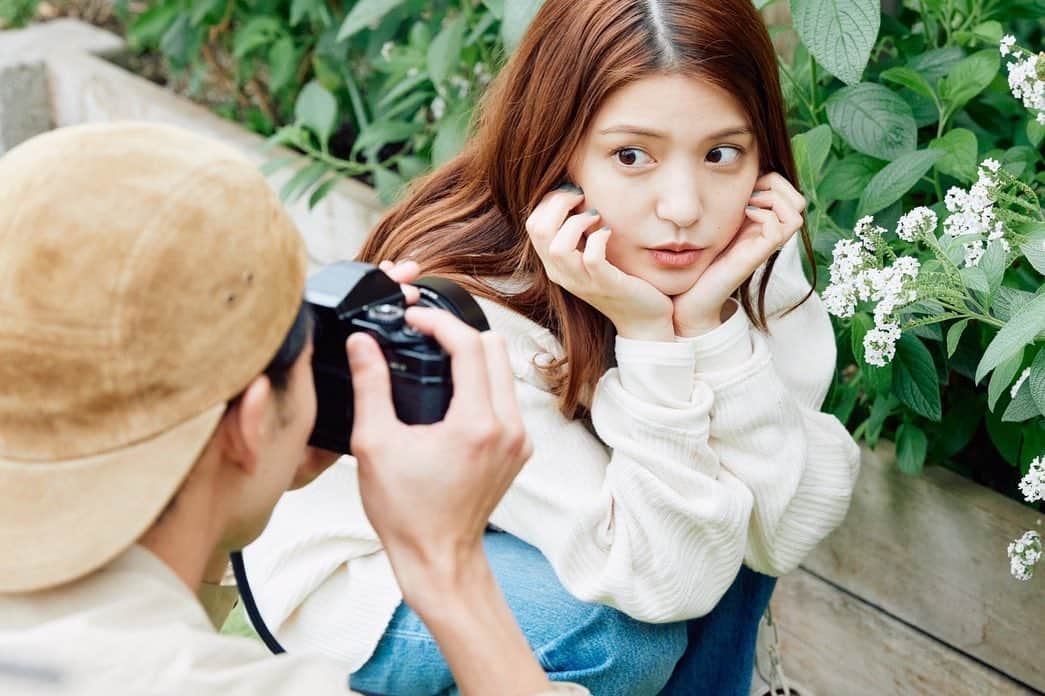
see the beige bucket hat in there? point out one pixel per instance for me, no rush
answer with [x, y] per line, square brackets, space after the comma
[147, 274]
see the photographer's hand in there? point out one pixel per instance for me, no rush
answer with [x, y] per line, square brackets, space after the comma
[429, 491]
[636, 308]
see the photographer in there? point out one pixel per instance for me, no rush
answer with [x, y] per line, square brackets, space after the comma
[156, 398]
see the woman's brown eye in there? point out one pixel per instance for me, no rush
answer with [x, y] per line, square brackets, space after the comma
[724, 154]
[627, 157]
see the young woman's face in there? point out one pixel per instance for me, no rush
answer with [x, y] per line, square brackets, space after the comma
[669, 162]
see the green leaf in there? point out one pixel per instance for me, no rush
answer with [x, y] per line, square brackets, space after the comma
[975, 279]
[936, 63]
[909, 78]
[365, 13]
[272, 166]
[496, 7]
[839, 33]
[911, 448]
[1022, 407]
[321, 191]
[388, 185]
[1002, 377]
[317, 109]
[873, 120]
[151, 25]
[1037, 380]
[444, 53]
[450, 138]
[411, 167]
[380, 133]
[969, 77]
[517, 17]
[896, 179]
[846, 179]
[915, 382]
[959, 150]
[1008, 301]
[811, 150]
[1017, 333]
[282, 64]
[1034, 248]
[989, 31]
[256, 33]
[302, 181]
[206, 9]
[302, 9]
[1035, 132]
[994, 262]
[177, 42]
[954, 335]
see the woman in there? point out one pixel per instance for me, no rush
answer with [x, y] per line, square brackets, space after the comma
[670, 360]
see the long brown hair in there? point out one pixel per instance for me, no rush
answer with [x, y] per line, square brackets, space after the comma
[465, 220]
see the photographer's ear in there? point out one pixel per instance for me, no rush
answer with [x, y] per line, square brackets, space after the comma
[246, 424]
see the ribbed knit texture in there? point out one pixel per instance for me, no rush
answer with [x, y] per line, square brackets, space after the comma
[707, 453]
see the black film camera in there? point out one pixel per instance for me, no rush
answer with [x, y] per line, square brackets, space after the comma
[350, 296]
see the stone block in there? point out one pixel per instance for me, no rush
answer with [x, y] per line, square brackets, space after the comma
[25, 101]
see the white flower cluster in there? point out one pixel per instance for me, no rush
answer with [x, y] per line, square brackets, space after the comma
[1032, 486]
[1026, 76]
[972, 214]
[855, 277]
[1024, 553]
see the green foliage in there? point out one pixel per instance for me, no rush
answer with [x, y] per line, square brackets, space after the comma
[17, 13]
[910, 115]
[375, 89]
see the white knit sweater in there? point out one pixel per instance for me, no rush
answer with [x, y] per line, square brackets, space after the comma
[711, 452]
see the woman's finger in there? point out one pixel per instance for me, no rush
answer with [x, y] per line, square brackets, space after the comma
[778, 184]
[789, 216]
[550, 214]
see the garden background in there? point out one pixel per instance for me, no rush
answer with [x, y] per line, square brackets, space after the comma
[928, 116]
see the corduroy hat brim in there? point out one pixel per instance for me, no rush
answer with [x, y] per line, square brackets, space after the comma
[78, 533]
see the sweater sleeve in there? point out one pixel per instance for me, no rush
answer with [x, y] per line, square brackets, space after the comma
[767, 429]
[648, 522]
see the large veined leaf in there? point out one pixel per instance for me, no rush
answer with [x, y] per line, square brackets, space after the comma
[896, 179]
[839, 33]
[873, 120]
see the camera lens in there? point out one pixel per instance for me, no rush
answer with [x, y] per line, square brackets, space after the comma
[387, 314]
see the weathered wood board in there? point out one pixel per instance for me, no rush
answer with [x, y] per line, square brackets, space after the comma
[931, 551]
[837, 645]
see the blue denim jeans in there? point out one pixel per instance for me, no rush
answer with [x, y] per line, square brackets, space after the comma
[590, 644]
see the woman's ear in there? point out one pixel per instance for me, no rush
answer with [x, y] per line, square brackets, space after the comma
[246, 424]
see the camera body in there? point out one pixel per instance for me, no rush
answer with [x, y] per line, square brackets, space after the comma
[350, 296]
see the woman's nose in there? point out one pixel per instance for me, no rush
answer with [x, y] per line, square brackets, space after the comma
[679, 200]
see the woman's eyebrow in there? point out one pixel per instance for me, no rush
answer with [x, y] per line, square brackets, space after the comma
[651, 133]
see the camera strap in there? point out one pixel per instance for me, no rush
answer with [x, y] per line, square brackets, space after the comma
[247, 597]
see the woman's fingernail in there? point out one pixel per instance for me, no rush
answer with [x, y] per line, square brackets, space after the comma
[757, 192]
[751, 207]
[568, 187]
[593, 212]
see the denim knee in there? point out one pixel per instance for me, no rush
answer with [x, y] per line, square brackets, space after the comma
[610, 653]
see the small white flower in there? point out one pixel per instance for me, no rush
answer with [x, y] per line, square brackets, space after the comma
[1032, 486]
[1007, 42]
[991, 165]
[438, 108]
[386, 50]
[1041, 118]
[839, 300]
[413, 72]
[1024, 554]
[1019, 382]
[919, 221]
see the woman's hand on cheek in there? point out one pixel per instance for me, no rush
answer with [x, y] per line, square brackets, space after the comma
[636, 308]
[773, 216]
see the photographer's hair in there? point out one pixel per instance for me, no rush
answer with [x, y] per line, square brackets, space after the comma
[466, 219]
[294, 343]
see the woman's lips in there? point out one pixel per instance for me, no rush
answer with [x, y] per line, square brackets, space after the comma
[675, 259]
